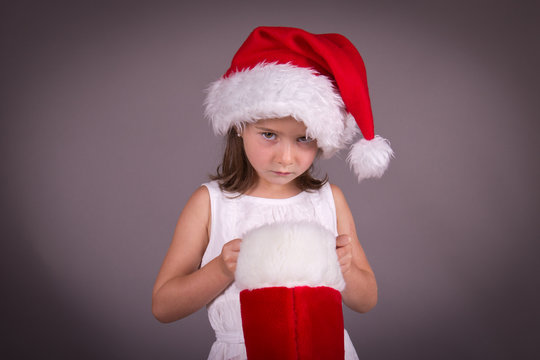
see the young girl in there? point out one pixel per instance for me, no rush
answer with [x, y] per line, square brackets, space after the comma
[288, 97]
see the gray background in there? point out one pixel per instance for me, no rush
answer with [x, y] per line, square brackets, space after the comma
[103, 141]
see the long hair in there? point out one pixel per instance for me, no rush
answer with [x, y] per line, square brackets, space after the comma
[236, 175]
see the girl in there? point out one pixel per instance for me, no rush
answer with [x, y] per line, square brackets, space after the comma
[288, 97]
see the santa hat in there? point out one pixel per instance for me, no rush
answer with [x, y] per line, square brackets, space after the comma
[319, 79]
[290, 300]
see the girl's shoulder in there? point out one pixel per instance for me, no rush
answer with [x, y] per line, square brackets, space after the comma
[336, 192]
[210, 186]
[345, 220]
[340, 201]
[214, 190]
[199, 202]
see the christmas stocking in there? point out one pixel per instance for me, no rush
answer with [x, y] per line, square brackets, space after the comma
[290, 299]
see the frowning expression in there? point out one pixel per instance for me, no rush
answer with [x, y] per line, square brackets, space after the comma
[278, 149]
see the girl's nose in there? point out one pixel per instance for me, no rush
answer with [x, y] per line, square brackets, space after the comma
[284, 155]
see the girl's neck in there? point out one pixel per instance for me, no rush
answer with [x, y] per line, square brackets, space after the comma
[273, 191]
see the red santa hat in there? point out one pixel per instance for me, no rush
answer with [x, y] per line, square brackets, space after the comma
[290, 300]
[319, 79]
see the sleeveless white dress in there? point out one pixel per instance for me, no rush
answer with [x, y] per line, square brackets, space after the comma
[230, 219]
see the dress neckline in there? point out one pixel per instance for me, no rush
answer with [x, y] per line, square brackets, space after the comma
[259, 199]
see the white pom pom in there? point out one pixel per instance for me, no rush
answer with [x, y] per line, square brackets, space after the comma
[370, 158]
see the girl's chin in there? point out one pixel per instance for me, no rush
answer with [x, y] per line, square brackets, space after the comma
[278, 178]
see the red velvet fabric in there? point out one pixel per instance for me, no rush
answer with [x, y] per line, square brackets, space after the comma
[332, 55]
[298, 323]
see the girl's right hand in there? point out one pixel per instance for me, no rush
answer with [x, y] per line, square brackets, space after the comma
[229, 257]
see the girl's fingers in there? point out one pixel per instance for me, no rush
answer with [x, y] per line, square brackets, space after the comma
[342, 240]
[343, 253]
[230, 253]
[234, 245]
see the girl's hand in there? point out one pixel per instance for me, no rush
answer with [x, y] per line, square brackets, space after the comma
[344, 252]
[229, 257]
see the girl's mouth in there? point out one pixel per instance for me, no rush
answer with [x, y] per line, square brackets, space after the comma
[281, 173]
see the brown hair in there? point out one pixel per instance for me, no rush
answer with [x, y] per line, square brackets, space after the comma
[235, 173]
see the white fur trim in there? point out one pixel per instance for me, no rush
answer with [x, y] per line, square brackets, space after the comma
[279, 90]
[370, 158]
[288, 254]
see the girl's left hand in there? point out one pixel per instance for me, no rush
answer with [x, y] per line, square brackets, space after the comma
[344, 252]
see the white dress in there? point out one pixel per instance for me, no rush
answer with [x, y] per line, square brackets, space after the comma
[231, 218]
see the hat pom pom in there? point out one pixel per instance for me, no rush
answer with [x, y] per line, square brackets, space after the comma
[370, 158]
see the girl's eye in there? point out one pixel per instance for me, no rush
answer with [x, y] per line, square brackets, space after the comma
[268, 135]
[305, 139]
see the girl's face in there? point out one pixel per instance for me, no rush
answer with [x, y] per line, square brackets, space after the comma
[278, 150]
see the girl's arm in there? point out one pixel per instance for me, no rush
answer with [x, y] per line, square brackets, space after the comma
[360, 292]
[181, 288]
